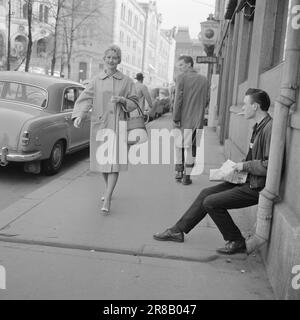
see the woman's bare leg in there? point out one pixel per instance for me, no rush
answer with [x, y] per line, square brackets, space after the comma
[112, 180]
[105, 177]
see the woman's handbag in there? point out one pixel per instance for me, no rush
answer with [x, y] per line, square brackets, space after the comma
[136, 128]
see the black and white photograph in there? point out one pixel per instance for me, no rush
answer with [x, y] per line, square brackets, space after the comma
[149, 153]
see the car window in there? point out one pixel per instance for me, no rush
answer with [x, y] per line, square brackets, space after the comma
[70, 97]
[23, 93]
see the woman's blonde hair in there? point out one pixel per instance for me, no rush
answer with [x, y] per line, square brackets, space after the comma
[116, 49]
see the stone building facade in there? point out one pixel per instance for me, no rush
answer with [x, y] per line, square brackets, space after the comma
[251, 51]
[42, 29]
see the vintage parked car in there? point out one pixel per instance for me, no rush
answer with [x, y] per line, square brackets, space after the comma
[35, 121]
[161, 102]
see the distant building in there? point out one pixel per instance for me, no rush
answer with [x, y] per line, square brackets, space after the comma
[42, 30]
[252, 54]
[159, 48]
[186, 46]
[93, 25]
[135, 27]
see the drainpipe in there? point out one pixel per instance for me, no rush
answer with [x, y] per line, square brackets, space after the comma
[288, 96]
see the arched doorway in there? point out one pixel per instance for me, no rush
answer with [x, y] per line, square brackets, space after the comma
[20, 46]
[41, 47]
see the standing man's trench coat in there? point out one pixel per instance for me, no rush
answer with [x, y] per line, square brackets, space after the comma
[190, 102]
[106, 115]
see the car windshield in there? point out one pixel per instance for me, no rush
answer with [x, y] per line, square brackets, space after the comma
[24, 93]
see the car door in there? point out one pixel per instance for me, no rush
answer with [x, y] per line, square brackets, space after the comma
[81, 136]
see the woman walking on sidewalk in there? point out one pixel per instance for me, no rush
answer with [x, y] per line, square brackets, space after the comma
[110, 95]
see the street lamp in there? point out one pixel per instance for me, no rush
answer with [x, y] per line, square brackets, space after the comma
[209, 36]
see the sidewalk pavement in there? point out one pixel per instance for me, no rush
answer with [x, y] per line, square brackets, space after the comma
[66, 214]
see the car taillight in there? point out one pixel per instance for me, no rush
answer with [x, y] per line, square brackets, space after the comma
[25, 138]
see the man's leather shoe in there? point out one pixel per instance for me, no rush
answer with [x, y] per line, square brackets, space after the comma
[169, 235]
[179, 176]
[233, 247]
[186, 181]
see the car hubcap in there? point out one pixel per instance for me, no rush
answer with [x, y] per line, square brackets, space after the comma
[57, 155]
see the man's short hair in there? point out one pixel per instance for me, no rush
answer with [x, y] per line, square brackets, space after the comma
[187, 59]
[139, 76]
[260, 97]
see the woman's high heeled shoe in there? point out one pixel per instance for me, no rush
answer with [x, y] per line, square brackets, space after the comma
[106, 209]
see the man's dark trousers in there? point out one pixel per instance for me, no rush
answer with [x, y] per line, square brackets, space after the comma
[215, 201]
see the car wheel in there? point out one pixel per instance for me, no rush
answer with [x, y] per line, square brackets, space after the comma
[52, 165]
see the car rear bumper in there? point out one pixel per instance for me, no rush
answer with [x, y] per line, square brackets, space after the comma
[6, 156]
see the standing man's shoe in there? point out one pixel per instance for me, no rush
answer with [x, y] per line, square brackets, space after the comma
[179, 176]
[186, 180]
[233, 247]
[169, 235]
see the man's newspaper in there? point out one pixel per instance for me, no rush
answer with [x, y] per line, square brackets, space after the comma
[227, 173]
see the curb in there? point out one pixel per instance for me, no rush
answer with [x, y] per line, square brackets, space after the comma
[135, 253]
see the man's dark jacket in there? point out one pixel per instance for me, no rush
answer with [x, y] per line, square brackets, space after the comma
[257, 167]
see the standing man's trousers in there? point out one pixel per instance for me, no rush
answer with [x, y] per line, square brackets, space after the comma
[215, 201]
[185, 156]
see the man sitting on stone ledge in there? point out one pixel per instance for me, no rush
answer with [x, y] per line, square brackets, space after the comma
[217, 200]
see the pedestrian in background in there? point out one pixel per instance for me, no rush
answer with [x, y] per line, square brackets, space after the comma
[110, 94]
[142, 92]
[189, 108]
[172, 97]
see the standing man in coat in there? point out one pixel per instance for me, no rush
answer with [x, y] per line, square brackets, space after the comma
[188, 114]
[142, 92]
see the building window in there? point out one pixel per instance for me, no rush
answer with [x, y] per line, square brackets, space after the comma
[275, 35]
[25, 11]
[123, 11]
[141, 27]
[84, 33]
[130, 17]
[280, 32]
[246, 49]
[92, 33]
[135, 26]
[41, 13]
[2, 46]
[46, 14]
[121, 36]
[134, 45]
[82, 71]
[128, 41]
